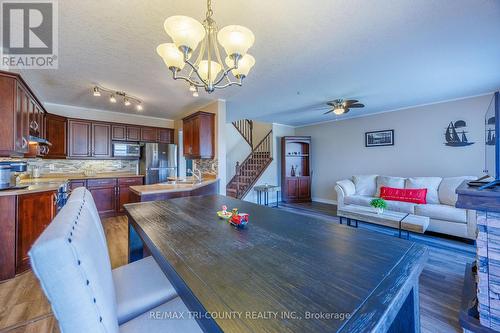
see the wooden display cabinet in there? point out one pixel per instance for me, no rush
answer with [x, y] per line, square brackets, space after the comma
[296, 168]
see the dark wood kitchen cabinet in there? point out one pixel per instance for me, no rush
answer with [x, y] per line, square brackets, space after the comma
[124, 194]
[133, 133]
[199, 135]
[56, 133]
[35, 211]
[89, 139]
[109, 194]
[165, 135]
[101, 140]
[118, 132]
[104, 192]
[149, 134]
[79, 138]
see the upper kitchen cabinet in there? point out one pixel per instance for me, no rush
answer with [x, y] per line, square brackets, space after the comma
[56, 133]
[21, 113]
[199, 135]
[149, 134]
[122, 132]
[165, 135]
[89, 139]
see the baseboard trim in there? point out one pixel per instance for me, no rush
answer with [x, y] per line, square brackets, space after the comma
[327, 201]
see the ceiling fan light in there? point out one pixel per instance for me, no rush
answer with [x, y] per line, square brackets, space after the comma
[186, 32]
[245, 64]
[236, 39]
[215, 68]
[339, 110]
[171, 55]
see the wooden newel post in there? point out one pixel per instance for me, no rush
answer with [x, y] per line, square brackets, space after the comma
[237, 179]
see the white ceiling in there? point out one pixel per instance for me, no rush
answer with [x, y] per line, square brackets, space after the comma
[389, 54]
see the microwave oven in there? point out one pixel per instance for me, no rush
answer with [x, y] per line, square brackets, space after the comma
[126, 150]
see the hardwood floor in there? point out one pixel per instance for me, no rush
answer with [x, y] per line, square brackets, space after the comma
[441, 281]
[24, 308]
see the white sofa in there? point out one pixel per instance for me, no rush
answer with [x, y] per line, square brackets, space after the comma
[444, 217]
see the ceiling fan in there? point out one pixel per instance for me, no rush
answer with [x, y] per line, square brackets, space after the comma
[341, 106]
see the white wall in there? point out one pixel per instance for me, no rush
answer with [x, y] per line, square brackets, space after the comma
[237, 150]
[338, 148]
[272, 175]
[103, 115]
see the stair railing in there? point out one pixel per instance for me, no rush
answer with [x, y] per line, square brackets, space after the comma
[245, 127]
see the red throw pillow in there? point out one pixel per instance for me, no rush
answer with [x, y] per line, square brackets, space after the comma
[404, 194]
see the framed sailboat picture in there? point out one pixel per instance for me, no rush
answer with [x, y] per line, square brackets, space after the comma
[456, 134]
[379, 138]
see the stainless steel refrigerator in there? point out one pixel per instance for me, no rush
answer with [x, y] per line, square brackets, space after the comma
[158, 162]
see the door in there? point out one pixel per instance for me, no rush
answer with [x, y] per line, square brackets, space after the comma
[292, 188]
[34, 213]
[187, 135]
[118, 132]
[125, 195]
[55, 132]
[105, 200]
[152, 176]
[79, 138]
[304, 188]
[101, 140]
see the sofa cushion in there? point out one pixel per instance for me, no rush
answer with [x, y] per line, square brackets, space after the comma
[139, 287]
[430, 183]
[386, 181]
[360, 200]
[396, 206]
[442, 212]
[447, 188]
[400, 206]
[365, 184]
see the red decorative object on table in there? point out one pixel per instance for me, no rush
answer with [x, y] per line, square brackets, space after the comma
[239, 220]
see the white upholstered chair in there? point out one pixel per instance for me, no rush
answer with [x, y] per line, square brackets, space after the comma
[72, 263]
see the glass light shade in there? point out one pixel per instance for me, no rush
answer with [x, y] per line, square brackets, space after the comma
[184, 31]
[171, 55]
[236, 39]
[338, 111]
[112, 99]
[215, 68]
[244, 65]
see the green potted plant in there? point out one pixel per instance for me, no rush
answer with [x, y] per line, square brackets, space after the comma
[379, 205]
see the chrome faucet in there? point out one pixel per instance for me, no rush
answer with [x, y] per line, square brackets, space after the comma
[197, 176]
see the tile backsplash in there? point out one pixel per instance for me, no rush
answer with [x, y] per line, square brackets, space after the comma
[206, 166]
[78, 166]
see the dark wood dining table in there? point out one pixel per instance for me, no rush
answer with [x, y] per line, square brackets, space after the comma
[284, 272]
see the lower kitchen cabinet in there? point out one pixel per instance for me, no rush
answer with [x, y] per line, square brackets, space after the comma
[109, 194]
[34, 213]
[24, 218]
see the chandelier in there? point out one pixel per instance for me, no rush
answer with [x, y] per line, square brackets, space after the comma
[205, 68]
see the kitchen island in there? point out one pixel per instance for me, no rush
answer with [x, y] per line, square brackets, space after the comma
[284, 272]
[185, 188]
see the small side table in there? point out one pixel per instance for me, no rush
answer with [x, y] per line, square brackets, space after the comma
[265, 190]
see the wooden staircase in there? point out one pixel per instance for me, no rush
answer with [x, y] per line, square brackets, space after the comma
[248, 172]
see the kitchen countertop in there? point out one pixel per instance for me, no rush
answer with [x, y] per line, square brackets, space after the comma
[167, 188]
[53, 181]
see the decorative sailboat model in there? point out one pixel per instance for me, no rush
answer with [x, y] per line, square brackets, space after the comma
[453, 139]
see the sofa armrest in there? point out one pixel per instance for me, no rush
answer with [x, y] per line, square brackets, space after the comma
[471, 224]
[344, 188]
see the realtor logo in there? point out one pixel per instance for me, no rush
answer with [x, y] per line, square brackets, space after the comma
[29, 34]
